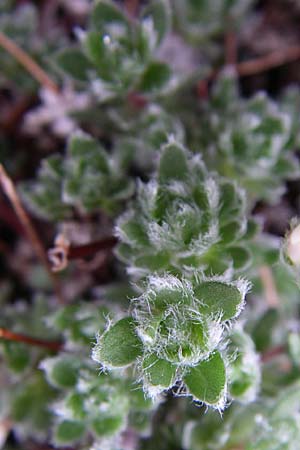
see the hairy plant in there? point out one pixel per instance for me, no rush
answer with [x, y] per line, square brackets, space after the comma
[174, 321]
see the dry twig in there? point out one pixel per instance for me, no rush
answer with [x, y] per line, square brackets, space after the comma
[18, 337]
[273, 59]
[254, 66]
[63, 251]
[30, 65]
[11, 192]
[230, 48]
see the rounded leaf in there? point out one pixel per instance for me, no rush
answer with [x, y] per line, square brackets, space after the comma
[219, 299]
[158, 372]
[119, 346]
[206, 382]
[68, 431]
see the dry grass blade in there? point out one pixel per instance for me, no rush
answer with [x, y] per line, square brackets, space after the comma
[30, 65]
[11, 192]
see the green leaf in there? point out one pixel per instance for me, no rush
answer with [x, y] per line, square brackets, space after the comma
[74, 63]
[155, 77]
[173, 164]
[158, 372]
[99, 55]
[89, 152]
[241, 257]
[68, 431]
[119, 346]
[105, 13]
[107, 426]
[262, 333]
[219, 299]
[206, 382]
[160, 13]
[230, 232]
[61, 371]
[75, 403]
[16, 356]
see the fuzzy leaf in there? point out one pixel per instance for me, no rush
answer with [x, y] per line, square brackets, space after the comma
[241, 257]
[107, 426]
[173, 164]
[158, 372]
[119, 345]
[105, 13]
[159, 12]
[219, 299]
[61, 371]
[155, 77]
[74, 63]
[68, 431]
[16, 356]
[206, 382]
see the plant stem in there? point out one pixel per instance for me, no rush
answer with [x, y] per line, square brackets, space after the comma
[82, 251]
[230, 48]
[131, 6]
[30, 65]
[18, 337]
[11, 192]
[257, 65]
[273, 59]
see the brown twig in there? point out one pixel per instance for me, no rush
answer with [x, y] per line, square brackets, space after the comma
[30, 65]
[273, 59]
[131, 6]
[82, 251]
[230, 48]
[18, 337]
[11, 192]
[63, 251]
[257, 65]
[270, 290]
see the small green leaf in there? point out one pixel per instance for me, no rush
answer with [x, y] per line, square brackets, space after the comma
[158, 372]
[16, 356]
[107, 426]
[99, 55]
[74, 63]
[241, 257]
[262, 333]
[75, 403]
[230, 232]
[219, 299]
[68, 431]
[119, 345]
[206, 382]
[105, 13]
[61, 371]
[155, 77]
[160, 13]
[173, 164]
[89, 152]
[252, 229]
